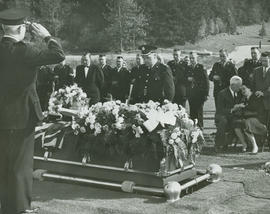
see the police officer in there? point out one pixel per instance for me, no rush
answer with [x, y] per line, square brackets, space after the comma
[19, 106]
[222, 72]
[65, 75]
[155, 81]
[246, 72]
[197, 88]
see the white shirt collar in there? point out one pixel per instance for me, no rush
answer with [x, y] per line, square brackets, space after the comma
[118, 69]
[232, 92]
[12, 37]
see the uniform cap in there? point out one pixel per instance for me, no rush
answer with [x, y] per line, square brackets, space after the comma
[14, 16]
[147, 49]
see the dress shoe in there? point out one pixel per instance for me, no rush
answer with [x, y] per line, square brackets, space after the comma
[34, 211]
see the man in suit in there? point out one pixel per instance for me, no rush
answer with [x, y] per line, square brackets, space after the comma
[179, 71]
[65, 75]
[228, 101]
[261, 88]
[121, 79]
[221, 73]
[107, 72]
[197, 88]
[156, 80]
[135, 71]
[19, 106]
[246, 72]
[90, 78]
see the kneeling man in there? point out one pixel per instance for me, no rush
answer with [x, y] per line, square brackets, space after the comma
[228, 101]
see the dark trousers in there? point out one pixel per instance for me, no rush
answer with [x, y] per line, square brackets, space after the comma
[222, 124]
[16, 167]
[215, 99]
[181, 101]
[196, 110]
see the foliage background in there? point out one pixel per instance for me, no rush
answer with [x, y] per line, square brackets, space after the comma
[118, 25]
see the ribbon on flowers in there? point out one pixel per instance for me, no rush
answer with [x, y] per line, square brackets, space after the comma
[159, 117]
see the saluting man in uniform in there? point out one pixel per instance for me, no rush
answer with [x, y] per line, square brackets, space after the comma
[19, 106]
[246, 72]
[155, 81]
[222, 72]
[197, 88]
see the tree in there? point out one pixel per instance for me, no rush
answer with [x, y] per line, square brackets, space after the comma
[127, 24]
[262, 31]
[202, 30]
[231, 22]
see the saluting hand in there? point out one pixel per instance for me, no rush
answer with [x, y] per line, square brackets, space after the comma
[39, 30]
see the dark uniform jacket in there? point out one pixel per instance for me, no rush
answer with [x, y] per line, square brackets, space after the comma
[261, 82]
[65, 75]
[246, 72]
[198, 88]
[92, 83]
[225, 72]
[154, 84]
[135, 72]
[180, 80]
[19, 102]
[106, 89]
[120, 82]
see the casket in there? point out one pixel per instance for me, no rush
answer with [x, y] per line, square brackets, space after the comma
[133, 148]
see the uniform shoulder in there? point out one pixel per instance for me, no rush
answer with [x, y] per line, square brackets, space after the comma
[170, 62]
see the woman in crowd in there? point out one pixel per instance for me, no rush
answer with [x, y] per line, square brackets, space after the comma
[246, 124]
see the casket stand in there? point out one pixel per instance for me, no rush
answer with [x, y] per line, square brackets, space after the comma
[88, 160]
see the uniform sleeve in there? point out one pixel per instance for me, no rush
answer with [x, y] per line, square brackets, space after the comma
[169, 88]
[212, 73]
[52, 55]
[100, 78]
[205, 82]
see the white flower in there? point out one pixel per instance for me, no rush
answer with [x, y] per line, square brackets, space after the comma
[171, 141]
[173, 135]
[115, 111]
[92, 126]
[177, 140]
[83, 129]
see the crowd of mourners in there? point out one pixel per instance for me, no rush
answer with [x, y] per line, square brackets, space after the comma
[242, 96]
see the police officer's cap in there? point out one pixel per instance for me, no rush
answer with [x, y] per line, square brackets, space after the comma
[14, 16]
[147, 49]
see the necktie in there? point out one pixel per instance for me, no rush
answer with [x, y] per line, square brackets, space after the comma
[86, 68]
[235, 97]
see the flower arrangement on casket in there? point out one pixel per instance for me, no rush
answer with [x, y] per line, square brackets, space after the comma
[70, 97]
[133, 130]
